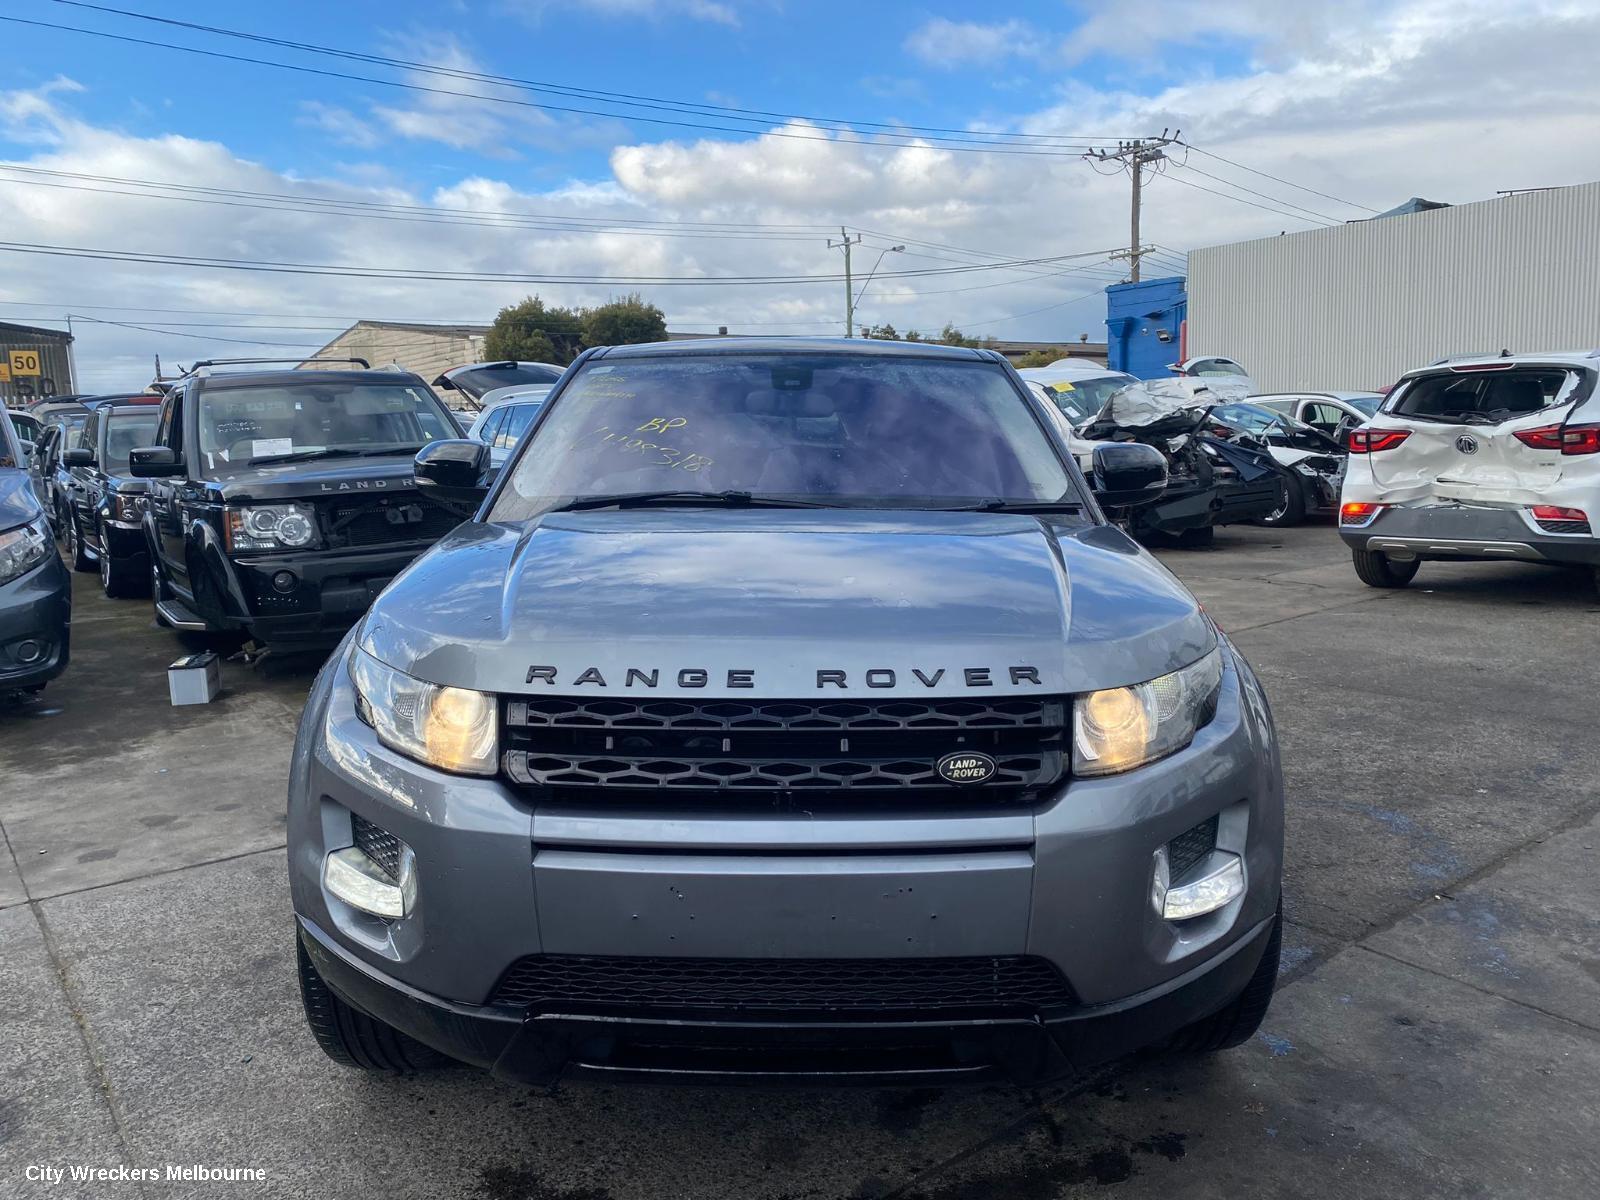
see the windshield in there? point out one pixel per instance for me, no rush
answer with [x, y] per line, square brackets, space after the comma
[851, 430]
[241, 425]
[1253, 418]
[1082, 399]
[1365, 404]
[475, 381]
[10, 452]
[124, 433]
[1216, 366]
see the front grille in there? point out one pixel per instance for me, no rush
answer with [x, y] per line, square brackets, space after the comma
[381, 846]
[792, 985]
[389, 520]
[1190, 848]
[753, 750]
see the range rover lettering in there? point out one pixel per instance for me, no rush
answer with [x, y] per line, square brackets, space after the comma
[788, 711]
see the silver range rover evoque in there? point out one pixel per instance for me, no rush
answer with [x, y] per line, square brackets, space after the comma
[787, 711]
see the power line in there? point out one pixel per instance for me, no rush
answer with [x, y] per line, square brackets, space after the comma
[1031, 312]
[613, 97]
[1241, 200]
[209, 337]
[950, 144]
[416, 274]
[1275, 199]
[1275, 178]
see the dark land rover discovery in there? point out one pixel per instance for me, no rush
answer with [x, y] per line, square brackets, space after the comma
[281, 502]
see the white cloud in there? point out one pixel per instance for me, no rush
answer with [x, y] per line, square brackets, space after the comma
[944, 43]
[342, 125]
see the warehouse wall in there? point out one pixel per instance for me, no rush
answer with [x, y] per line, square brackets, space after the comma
[1354, 306]
[55, 366]
[423, 351]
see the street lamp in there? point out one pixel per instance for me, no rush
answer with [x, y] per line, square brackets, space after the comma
[850, 323]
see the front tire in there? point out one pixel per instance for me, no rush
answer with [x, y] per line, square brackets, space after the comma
[353, 1039]
[1237, 1022]
[1377, 569]
[1291, 510]
[122, 578]
[75, 547]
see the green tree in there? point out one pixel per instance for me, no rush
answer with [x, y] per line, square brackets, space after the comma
[534, 332]
[883, 333]
[1040, 358]
[624, 322]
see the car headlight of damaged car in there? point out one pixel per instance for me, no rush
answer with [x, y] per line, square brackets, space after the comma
[1122, 728]
[23, 549]
[447, 727]
[271, 526]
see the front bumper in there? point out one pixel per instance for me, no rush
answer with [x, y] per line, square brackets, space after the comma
[330, 592]
[539, 1048]
[1466, 531]
[503, 875]
[35, 616]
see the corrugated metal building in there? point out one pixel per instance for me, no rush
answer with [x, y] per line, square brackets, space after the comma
[425, 349]
[1354, 306]
[42, 366]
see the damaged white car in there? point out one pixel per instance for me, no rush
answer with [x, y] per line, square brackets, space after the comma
[1478, 458]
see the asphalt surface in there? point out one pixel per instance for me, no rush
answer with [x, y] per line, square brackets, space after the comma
[1436, 1030]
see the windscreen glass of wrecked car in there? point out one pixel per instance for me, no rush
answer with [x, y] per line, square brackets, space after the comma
[857, 432]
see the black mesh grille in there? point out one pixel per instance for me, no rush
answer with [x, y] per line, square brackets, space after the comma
[381, 846]
[787, 985]
[404, 517]
[1190, 848]
[820, 748]
[1564, 526]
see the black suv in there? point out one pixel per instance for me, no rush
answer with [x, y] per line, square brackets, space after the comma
[282, 501]
[104, 503]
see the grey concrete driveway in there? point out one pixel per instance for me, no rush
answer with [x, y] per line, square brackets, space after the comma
[1436, 1032]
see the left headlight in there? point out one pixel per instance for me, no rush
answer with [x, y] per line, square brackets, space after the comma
[447, 727]
[1122, 728]
[271, 526]
[22, 549]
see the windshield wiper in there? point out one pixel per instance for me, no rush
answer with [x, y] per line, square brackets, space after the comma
[1018, 506]
[726, 499]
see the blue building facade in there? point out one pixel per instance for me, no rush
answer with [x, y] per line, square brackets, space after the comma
[1144, 326]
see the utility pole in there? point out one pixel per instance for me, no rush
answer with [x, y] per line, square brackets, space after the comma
[1133, 156]
[845, 242]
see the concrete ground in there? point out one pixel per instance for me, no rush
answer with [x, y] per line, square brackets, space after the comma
[1436, 1031]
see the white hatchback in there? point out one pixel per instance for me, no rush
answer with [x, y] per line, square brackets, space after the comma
[1478, 458]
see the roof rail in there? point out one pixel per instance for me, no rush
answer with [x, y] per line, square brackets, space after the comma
[232, 362]
[1471, 354]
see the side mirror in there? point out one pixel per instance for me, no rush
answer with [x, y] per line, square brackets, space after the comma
[456, 473]
[28, 450]
[154, 462]
[78, 457]
[1128, 474]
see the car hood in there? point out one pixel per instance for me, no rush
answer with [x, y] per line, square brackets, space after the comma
[318, 477]
[19, 504]
[934, 604]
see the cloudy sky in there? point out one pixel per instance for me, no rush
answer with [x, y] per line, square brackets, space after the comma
[699, 140]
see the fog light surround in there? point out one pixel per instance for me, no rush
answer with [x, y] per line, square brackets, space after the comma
[361, 883]
[1221, 883]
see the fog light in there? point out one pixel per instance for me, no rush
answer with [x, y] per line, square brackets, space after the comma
[284, 581]
[29, 652]
[1358, 513]
[1221, 884]
[361, 883]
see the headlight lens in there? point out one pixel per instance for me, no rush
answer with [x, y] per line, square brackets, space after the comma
[22, 549]
[447, 727]
[1122, 728]
[126, 508]
[271, 526]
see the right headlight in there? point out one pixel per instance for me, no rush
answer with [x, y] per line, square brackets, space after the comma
[448, 727]
[22, 549]
[1122, 728]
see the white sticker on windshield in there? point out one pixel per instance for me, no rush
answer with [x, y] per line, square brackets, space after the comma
[262, 447]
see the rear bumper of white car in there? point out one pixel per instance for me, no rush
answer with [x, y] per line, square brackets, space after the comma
[1466, 531]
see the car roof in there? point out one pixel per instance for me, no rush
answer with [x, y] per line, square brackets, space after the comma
[517, 393]
[125, 399]
[294, 378]
[1309, 393]
[849, 347]
[1589, 359]
[1070, 368]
